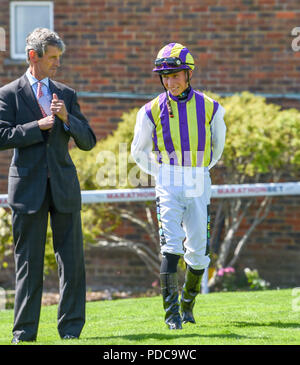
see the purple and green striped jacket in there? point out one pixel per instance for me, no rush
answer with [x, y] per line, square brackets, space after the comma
[185, 139]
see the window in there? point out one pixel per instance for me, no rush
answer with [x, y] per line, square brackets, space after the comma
[25, 16]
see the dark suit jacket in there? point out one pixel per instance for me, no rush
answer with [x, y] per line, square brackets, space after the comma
[38, 154]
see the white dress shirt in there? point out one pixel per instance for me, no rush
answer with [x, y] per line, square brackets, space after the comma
[45, 100]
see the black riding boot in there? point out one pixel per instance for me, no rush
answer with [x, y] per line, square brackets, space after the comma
[169, 290]
[190, 290]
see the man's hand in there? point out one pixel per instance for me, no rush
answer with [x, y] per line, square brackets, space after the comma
[46, 123]
[58, 108]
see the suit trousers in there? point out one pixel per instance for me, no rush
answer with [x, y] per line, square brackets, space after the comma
[29, 231]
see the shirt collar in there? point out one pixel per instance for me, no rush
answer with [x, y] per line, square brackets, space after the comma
[33, 80]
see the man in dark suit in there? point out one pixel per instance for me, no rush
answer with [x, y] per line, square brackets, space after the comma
[37, 118]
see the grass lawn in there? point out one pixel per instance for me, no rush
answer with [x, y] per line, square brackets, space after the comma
[233, 318]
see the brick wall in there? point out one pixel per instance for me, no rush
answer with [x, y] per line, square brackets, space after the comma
[237, 45]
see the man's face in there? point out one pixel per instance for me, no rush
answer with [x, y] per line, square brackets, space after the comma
[176, 83]
[47, 65]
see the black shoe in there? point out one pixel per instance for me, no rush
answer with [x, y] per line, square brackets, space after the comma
[70, 337]
[188, 317]
[174, 323]
[16, 340]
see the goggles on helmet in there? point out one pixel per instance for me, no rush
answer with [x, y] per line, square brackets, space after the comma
[169, 62]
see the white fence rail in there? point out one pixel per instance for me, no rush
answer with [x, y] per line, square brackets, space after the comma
[218, 191]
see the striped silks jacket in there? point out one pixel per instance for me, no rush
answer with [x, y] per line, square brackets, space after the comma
[185, 139]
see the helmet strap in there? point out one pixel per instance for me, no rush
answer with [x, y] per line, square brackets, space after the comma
[171, 114]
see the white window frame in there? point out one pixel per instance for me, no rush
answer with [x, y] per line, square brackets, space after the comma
[13, 4]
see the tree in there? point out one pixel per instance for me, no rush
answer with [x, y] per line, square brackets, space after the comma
[6, 243]
[106, 166]
[110, 166]
[5, 236]
[262, 143]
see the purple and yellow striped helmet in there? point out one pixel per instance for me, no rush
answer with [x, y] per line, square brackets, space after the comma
[172, 58]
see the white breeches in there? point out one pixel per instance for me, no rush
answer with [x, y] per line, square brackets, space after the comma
[183, 213]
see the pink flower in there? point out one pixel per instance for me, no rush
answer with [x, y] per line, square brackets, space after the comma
[155, 284]
[229, 270]
[226, 270]
[220, 272]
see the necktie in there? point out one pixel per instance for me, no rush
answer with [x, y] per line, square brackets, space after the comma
[39, 90]
[39, 95]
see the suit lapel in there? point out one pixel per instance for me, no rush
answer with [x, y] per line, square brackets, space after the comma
[26, 92]
[58, 123]
[55, 90]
